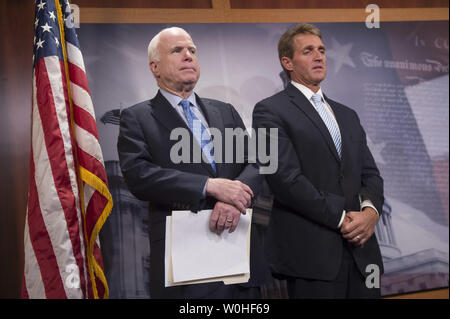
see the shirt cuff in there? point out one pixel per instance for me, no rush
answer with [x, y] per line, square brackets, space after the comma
[342, 219]
[368, 203]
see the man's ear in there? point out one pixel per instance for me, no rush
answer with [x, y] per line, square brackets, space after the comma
[154, 67]
[287, 63]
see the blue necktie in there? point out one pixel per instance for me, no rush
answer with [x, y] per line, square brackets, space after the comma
[329, 122]
[200, 132]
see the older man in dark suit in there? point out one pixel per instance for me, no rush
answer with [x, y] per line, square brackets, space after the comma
[151, 173]
[328, 190]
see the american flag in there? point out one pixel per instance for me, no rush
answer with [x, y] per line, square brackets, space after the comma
[68, 199]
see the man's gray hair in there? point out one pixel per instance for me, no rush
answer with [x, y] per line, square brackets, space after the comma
[153, 52]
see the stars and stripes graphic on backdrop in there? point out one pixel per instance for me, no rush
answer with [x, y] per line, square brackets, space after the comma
[68, 200]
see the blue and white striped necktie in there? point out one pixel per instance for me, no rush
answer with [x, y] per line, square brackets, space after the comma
[329, 122]
[200, 132]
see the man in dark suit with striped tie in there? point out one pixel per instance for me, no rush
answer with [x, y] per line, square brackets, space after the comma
[151, 173]
[328, 190]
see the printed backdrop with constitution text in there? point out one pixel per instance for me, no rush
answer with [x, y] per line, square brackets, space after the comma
[395, 77]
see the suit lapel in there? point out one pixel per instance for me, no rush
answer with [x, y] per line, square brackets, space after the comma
[166, 114]
[168, 117]
[306, 107]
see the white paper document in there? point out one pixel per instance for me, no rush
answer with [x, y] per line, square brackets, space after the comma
[194, 253]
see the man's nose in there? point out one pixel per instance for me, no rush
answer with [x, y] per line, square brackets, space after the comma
[187, 54]
[318, 55]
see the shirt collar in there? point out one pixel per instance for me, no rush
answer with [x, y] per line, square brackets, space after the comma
[174, 100]
[307, 91]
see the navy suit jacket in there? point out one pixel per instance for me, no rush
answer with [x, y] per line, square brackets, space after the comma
[313, 186]
[144, 146]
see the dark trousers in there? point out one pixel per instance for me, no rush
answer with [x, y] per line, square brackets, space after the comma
[349, 283]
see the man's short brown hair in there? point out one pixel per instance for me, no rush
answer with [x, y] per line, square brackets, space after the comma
[286, 45]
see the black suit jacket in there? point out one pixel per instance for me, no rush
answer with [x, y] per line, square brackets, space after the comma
[144, 146]
[312, 186]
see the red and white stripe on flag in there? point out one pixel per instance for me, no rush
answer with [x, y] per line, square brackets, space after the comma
[68, 199]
